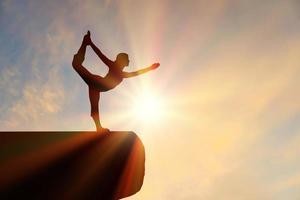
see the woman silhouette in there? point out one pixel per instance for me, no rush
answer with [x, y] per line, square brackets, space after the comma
[99, 84]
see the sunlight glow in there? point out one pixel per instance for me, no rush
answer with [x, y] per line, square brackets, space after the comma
[149, 108]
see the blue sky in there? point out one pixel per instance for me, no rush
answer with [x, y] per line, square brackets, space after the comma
[228, 87]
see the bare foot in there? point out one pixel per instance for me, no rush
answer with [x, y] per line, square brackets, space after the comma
[102, 130]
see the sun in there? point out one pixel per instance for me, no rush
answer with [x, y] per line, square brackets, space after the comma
[148, 108]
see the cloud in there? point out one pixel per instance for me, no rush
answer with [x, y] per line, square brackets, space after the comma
[36, 102]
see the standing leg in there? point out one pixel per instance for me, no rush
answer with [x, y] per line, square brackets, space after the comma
[94, 96]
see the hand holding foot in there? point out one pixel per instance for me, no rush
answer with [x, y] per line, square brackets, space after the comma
[87, 38]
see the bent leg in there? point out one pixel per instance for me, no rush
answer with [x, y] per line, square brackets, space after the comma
[81, 52]
[78, 60]
[87, 76]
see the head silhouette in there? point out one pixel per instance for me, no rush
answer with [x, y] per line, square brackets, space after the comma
[122, 60]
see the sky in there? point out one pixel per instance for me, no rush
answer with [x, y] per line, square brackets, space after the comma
[224, 121]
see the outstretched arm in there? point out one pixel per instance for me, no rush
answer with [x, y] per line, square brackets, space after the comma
[141, 71]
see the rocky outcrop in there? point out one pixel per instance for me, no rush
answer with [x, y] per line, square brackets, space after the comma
[70, 165]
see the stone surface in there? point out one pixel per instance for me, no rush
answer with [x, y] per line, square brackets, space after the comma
[70, 165]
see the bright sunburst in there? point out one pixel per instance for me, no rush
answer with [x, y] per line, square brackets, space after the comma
[148, 108]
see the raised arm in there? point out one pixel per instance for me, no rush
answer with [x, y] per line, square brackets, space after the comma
[141, 71]
[104, 59]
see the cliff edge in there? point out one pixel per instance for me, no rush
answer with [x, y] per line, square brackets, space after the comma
[70, 165]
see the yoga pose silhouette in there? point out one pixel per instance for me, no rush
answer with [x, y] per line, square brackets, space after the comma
[99, 84]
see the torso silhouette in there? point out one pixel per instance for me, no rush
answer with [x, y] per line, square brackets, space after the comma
[111, 80]
[113, 77]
